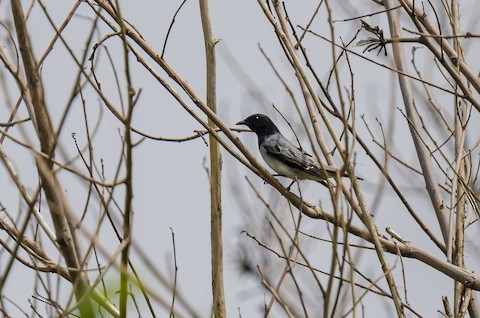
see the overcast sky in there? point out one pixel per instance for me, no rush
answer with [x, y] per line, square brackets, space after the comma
[171, 183]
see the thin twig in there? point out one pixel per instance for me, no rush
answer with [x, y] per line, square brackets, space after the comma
[170, 28]
[174, 288]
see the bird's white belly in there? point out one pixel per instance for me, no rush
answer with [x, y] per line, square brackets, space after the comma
[286, 171]
[278, 166]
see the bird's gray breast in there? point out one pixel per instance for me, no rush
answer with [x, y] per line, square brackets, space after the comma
[276, 148]
[277, 166]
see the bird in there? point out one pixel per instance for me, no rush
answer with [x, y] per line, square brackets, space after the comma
[286, 159]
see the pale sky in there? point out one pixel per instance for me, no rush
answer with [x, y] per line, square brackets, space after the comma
[171, 184]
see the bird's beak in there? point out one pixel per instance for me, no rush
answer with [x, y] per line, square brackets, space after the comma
[241, 123]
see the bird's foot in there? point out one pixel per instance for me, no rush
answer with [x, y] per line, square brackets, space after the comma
[288, 188]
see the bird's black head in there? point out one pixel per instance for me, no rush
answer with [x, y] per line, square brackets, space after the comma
[260, 124]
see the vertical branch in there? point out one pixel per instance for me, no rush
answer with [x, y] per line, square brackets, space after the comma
[59, 206]
[458, 196]
[34, 83]
[414, 122]
[127, 216]
[333, 261]
[215, 169]
[460, 202]
[174, 288]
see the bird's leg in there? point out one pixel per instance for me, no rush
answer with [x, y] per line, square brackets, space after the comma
[279, 175]
[288, 188]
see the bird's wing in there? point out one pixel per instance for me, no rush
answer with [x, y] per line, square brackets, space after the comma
[284, 151]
